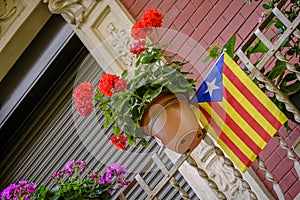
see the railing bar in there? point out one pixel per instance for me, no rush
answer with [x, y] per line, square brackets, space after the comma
[173, 181]
[281, 17]
[202, 173]
[261, 27]
[170, 174]
[278, 43]
[264, 39]
[159, 163]
[143, 184]
[289, 65]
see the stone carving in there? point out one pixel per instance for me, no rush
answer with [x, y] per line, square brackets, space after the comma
[120, 43]
[221, 170]
[74, 11]
[7, 10]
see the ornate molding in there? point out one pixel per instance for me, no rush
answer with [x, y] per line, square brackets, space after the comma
[7, 10]
[74, 11]
[224, 175]
[120, 44]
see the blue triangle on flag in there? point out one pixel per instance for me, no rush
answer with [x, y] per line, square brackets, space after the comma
[211, 89]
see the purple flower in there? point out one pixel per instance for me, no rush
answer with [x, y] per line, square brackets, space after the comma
[23, 183]
[116, 170]
[18, 191]
[103, 179]
[94, 176]
[60, 174]
[31, 187]
[6, 193]
[78, 165]
[27, 197]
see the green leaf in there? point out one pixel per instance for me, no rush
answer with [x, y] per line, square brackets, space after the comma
[259, 47]
[214, 50]
[129, 139]
[291, 89]
[290, 77]
[116, 130]
[124, 74]
[266, 6]
[140, 81]
[287, 127]
[107, 116]
[230, 46]
[277, 71]
[144, 143]
[153, 93]
[207, 58]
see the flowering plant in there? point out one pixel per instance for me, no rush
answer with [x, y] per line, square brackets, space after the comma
[124, 100]
[71, 185]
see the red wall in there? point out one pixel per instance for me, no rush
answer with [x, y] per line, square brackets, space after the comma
[205, 23]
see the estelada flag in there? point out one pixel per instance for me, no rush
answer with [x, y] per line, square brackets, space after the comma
[238, 115]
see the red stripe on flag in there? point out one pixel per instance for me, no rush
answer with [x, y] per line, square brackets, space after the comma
[251, 98]
[244, 159]
[237, 130]
[246, 116]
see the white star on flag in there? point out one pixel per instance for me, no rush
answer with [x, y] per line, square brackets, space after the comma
[211, 86]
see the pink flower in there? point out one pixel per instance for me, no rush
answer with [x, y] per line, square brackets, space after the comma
[120, 86]
[138, 30]
[261, 17]
[138, 47]
[83, 98]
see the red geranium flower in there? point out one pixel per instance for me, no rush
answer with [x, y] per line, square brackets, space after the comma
[138, 31]
[152, 18]
[83, 98]
[120, 142]
[107, 83]
[138, 47]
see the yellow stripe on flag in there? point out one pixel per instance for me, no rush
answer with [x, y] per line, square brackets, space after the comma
[245, 120]
[229, 133]
[243, 124]
[250, 108]
[254, 89]
[228, 151]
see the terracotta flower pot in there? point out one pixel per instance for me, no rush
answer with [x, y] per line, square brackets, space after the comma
[170, 118]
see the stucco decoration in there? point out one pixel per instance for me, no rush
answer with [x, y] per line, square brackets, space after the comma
[217, 169]
[7, 11]
[74, 11]
[120, 42]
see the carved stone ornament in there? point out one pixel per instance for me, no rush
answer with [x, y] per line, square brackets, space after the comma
[120, 42]
[222, 174]
[74, 11]
[7, 10]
